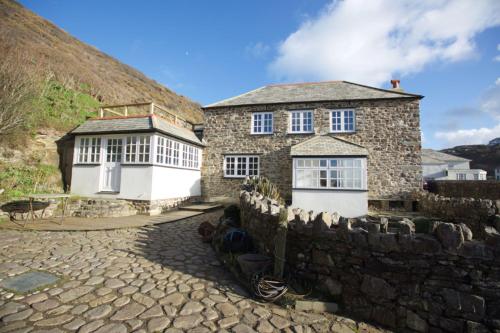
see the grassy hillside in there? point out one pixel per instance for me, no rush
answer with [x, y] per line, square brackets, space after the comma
[76, 64]
[484, 157]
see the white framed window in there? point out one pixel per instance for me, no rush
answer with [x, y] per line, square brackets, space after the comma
[89, 150]
[301, 121]
[330, 173]
[137, 149]
[343, 120]
[168, 152]
[461, 176]
[262, 123]
[240, 166]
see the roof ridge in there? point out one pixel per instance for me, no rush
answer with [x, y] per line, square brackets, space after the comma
[384, 90]
[302, 83]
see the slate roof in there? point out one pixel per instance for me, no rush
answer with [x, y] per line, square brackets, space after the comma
[311, 92]
[325, 145]
[136, 124]
[430, 156]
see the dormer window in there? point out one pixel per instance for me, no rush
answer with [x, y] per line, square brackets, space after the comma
[301, 121]
[262, 123]
[342, 121]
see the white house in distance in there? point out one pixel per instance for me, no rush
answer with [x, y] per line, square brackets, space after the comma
[497, 173]
[152, 159]
[440, 166]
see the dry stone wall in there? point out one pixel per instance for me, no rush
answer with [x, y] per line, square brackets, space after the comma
[389, 129]
[437, 281]
[478, 189]
[475, 213]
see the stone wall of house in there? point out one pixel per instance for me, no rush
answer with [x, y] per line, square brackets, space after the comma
[478, 189]
[438, 281]
[389, 129]
[93, 208]
[475, 213]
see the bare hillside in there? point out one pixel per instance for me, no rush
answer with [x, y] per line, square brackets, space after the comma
[75, 63]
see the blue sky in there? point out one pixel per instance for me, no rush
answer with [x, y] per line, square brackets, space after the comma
[448, 51]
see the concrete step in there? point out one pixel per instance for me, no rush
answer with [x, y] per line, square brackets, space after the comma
[203, 207]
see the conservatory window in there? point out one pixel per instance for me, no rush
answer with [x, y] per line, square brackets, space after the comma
[90, 150]
[137, 149]
[241, 166]
[333, 173]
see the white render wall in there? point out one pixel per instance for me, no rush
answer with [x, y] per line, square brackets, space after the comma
[175, 183]
[346, 203]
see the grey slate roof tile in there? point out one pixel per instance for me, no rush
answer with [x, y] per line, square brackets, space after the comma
[311, 92]
[136, 124]
[324, 145]
[430, 156]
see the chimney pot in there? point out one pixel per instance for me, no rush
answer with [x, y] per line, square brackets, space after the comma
[395, 84]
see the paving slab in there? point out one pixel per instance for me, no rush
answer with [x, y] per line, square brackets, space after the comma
[29, 281]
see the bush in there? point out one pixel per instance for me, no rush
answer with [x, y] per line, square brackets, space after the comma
[264, 186]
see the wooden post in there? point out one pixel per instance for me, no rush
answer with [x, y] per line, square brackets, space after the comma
[126, 111]
[101, 113]
[280, 243]
[152, 108]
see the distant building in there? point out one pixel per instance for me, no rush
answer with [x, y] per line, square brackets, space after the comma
[497, 173]
[441, 166]
[494, 142]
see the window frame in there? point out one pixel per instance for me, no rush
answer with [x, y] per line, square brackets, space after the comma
[93, 153]
[140, 149]
[262, 124]
[176, 154]
[235, 165]
[301, 121]
[342, 120]
[315, 166]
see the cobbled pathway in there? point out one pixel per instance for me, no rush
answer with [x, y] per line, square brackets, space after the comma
[150, 279]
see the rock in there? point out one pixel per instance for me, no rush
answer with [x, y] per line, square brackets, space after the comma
[74, 293]
[175, 299]
[22, 315]
[406, 227]
[450, 235]
[279, 322]
[155, 311]
[129, 311]
[473, 327]
[98, 312]
[242, 328]
[36, 298]
[114, 283]
[416, 323]
[228, 322]
[333, 286]
[112, 328]
[54, 321]
[322, 222]
[187, 322]
[466, 231]
[158, 324]
[377, 288]
[191, 307]
[335, 218]
[227, 309]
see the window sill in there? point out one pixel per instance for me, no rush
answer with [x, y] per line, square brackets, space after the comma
[271, 133]
[238, 177]
[299, 133]
[87, 164]
[342, 132]
[328, 189]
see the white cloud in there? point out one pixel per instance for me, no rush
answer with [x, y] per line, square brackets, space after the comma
[257, 50]
[372, 41]
[469, 136]
[490, 101]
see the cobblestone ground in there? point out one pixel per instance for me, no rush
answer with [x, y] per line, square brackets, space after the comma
[150, 279]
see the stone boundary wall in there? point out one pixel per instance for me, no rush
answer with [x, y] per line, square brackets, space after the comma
[478, 189]
[438, 281]
[156, 207]
[475, 213]
[94, 208]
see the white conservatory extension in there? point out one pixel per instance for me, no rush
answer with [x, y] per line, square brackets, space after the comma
[139, 158]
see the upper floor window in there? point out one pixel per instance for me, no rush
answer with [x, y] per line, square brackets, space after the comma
[137, 149]
[301, 121]
[262, 123]
[89, 150]
[241, 166]
[342, 121]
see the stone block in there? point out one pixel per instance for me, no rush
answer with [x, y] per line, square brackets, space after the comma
[450, 235]
[316, 306]
[377, 288]
[334, 287]
[415, 322]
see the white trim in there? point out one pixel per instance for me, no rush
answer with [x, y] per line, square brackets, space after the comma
[262, 125]
[342, 120]
[235, 166]
[301, 121]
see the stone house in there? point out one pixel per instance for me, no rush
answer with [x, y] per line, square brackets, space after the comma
[329, 146]
[441, 166]
[152, 160]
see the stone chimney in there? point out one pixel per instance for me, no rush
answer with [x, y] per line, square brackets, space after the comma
[396, 85]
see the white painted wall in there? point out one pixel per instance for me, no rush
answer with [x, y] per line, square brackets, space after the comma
[136, 182]
[346, 203]
[470, 174]
[85, 180]
[175, 183]
[434, 171]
